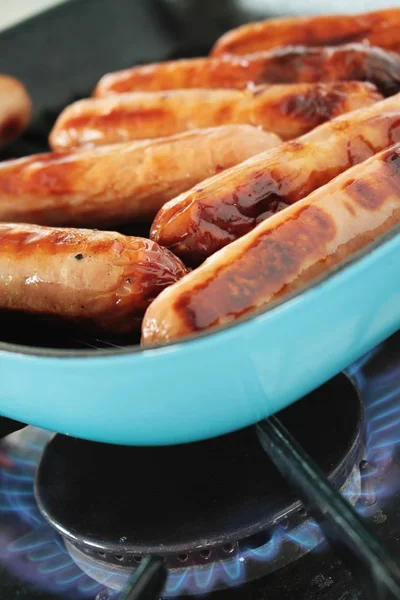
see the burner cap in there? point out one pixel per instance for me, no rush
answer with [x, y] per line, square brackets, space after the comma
[177, 500]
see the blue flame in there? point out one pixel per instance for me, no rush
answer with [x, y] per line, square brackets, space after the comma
[382, 416]
[36, 554]
[31, 549]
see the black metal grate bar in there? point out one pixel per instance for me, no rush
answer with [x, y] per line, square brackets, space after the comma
[362, 552]
[147, 582]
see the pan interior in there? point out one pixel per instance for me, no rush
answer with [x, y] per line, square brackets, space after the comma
[36, 335]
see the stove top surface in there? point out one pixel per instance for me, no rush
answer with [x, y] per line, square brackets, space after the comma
[34, 562]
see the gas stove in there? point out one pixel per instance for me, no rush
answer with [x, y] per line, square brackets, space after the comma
[77, 518]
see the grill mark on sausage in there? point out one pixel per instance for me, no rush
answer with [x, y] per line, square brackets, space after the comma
[349, 208]
[224, 114]
[260, 271]
[371, 195]
[365, 194]
[316, 105]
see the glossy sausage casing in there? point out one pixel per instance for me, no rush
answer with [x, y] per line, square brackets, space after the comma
[287, 110]
[120, 183]
[225, 207]
[15, 109]
[292, 64]
[379, 28]
[103, 281]
[284, 253]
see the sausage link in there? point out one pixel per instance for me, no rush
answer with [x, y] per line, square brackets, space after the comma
[379, 28]
[291, 64]
[287, 110]
[284, 253]
[121, 183]
[225, 207]
[103, 281]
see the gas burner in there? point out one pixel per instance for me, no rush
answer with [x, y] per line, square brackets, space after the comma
[213, 510]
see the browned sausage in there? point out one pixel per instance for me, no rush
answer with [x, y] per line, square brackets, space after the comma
[124, 182]
[15, 109]
[283, 253]
[379, 28]
[225, 207]
[288, 110]
[101, 280]
[291, 64]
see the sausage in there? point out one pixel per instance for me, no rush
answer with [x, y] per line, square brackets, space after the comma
[225, 207]
[15, 109]
[379, 28]
[284, 253]
[125, 182]
[102, 281]
[287, 110]
[291, 64]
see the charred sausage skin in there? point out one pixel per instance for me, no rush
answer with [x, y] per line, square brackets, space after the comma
[284, 253]
[227, 206]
